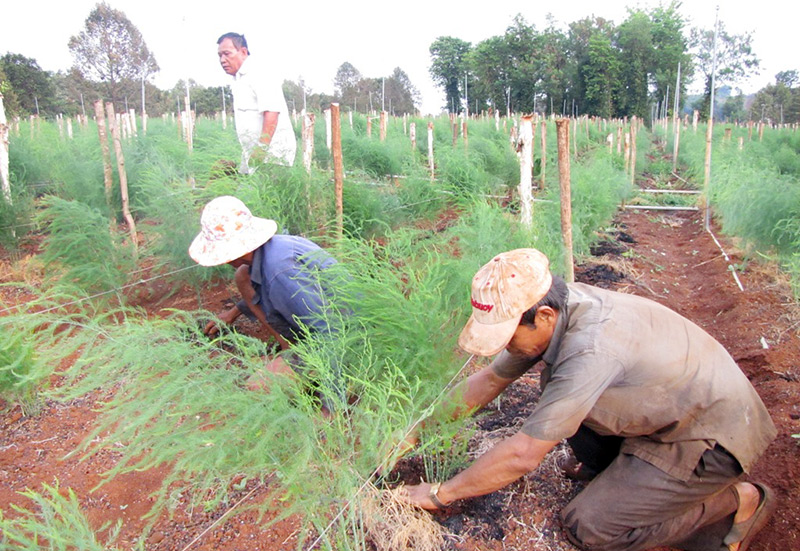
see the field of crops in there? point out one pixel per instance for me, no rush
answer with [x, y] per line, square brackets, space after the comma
[139, 431]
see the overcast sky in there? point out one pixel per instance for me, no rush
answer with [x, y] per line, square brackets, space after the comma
[311, 39]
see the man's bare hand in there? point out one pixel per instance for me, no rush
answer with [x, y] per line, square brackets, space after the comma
[398, 450]
[418, 495]
[228, 317]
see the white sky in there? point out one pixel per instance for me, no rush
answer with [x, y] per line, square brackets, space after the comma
[312, 39]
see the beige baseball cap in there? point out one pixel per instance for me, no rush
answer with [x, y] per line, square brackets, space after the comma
[229, 231]
[502, 290]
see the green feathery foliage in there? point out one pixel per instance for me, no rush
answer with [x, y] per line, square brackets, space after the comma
[93, 256]
[57, 525]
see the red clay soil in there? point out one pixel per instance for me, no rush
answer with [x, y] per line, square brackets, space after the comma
[665, 257]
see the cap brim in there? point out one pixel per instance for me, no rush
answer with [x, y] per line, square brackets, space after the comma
[214, 253]
[487, 339]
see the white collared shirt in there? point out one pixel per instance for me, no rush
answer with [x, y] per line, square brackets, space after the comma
[255, 91]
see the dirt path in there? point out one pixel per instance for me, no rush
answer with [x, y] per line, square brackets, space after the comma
[671, 260]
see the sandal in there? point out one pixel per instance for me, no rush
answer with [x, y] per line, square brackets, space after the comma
[744, 532]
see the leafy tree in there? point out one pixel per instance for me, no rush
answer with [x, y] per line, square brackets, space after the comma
[602, 74]
[735, 59]
[733, 108]
[111, 50]
[553, 67]
[346, 85]
[487, 63]
[401, 95]
[787, 78]
[669, 49]
[579, 66]
[522, 46]
[448, 67]
[771, 102]
[30, 90]
[636, 50]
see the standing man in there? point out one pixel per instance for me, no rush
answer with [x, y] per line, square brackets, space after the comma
[656, 411]
[261, 114]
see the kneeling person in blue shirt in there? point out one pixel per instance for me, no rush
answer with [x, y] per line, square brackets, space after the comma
[276, 275]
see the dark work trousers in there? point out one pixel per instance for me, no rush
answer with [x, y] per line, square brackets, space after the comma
[633, 505]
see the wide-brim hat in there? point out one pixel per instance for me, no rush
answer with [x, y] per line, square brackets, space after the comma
[229, 231]
[502, 291]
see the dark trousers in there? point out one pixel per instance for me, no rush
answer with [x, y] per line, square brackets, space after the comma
[633, 505]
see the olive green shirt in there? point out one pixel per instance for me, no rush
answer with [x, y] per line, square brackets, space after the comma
[627, 366]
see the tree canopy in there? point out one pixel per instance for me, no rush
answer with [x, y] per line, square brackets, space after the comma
[111, 50]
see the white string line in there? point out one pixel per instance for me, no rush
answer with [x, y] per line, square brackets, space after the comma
[390, 454]
[141, 281]
[727, 259]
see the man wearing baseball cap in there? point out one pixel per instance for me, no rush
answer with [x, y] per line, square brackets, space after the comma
[656, 411]
[278, 276]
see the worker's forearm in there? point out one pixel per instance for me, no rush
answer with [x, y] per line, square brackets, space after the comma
[506, 462]
[476, 391]
[268, 127]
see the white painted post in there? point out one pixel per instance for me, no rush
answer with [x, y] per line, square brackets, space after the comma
[525, 152]
[328, 128]
[430, 149]
[308, 140]
[4, 174]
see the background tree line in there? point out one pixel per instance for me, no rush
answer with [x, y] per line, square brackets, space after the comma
[592, 67]
[112, 62]
[598, 68]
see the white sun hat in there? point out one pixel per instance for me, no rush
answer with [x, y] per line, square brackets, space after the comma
[502, 290]
[229, 231]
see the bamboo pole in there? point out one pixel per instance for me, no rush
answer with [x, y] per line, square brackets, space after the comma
[525, 151]
[562, 132]
[338, 167]
[430, 149]
[5, 179]
[101, 131]
[123, 177]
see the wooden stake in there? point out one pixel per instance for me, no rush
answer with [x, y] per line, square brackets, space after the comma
[634, 130]
[101, 131]
[562, 131]
[430, 149]
[525, 152]
[123, 177]
[412, 130]
[676, 146]
[543, 154]
[383, 126]
[338, 167]
[4, 174]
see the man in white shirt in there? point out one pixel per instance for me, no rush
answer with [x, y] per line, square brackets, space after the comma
[261, 114]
